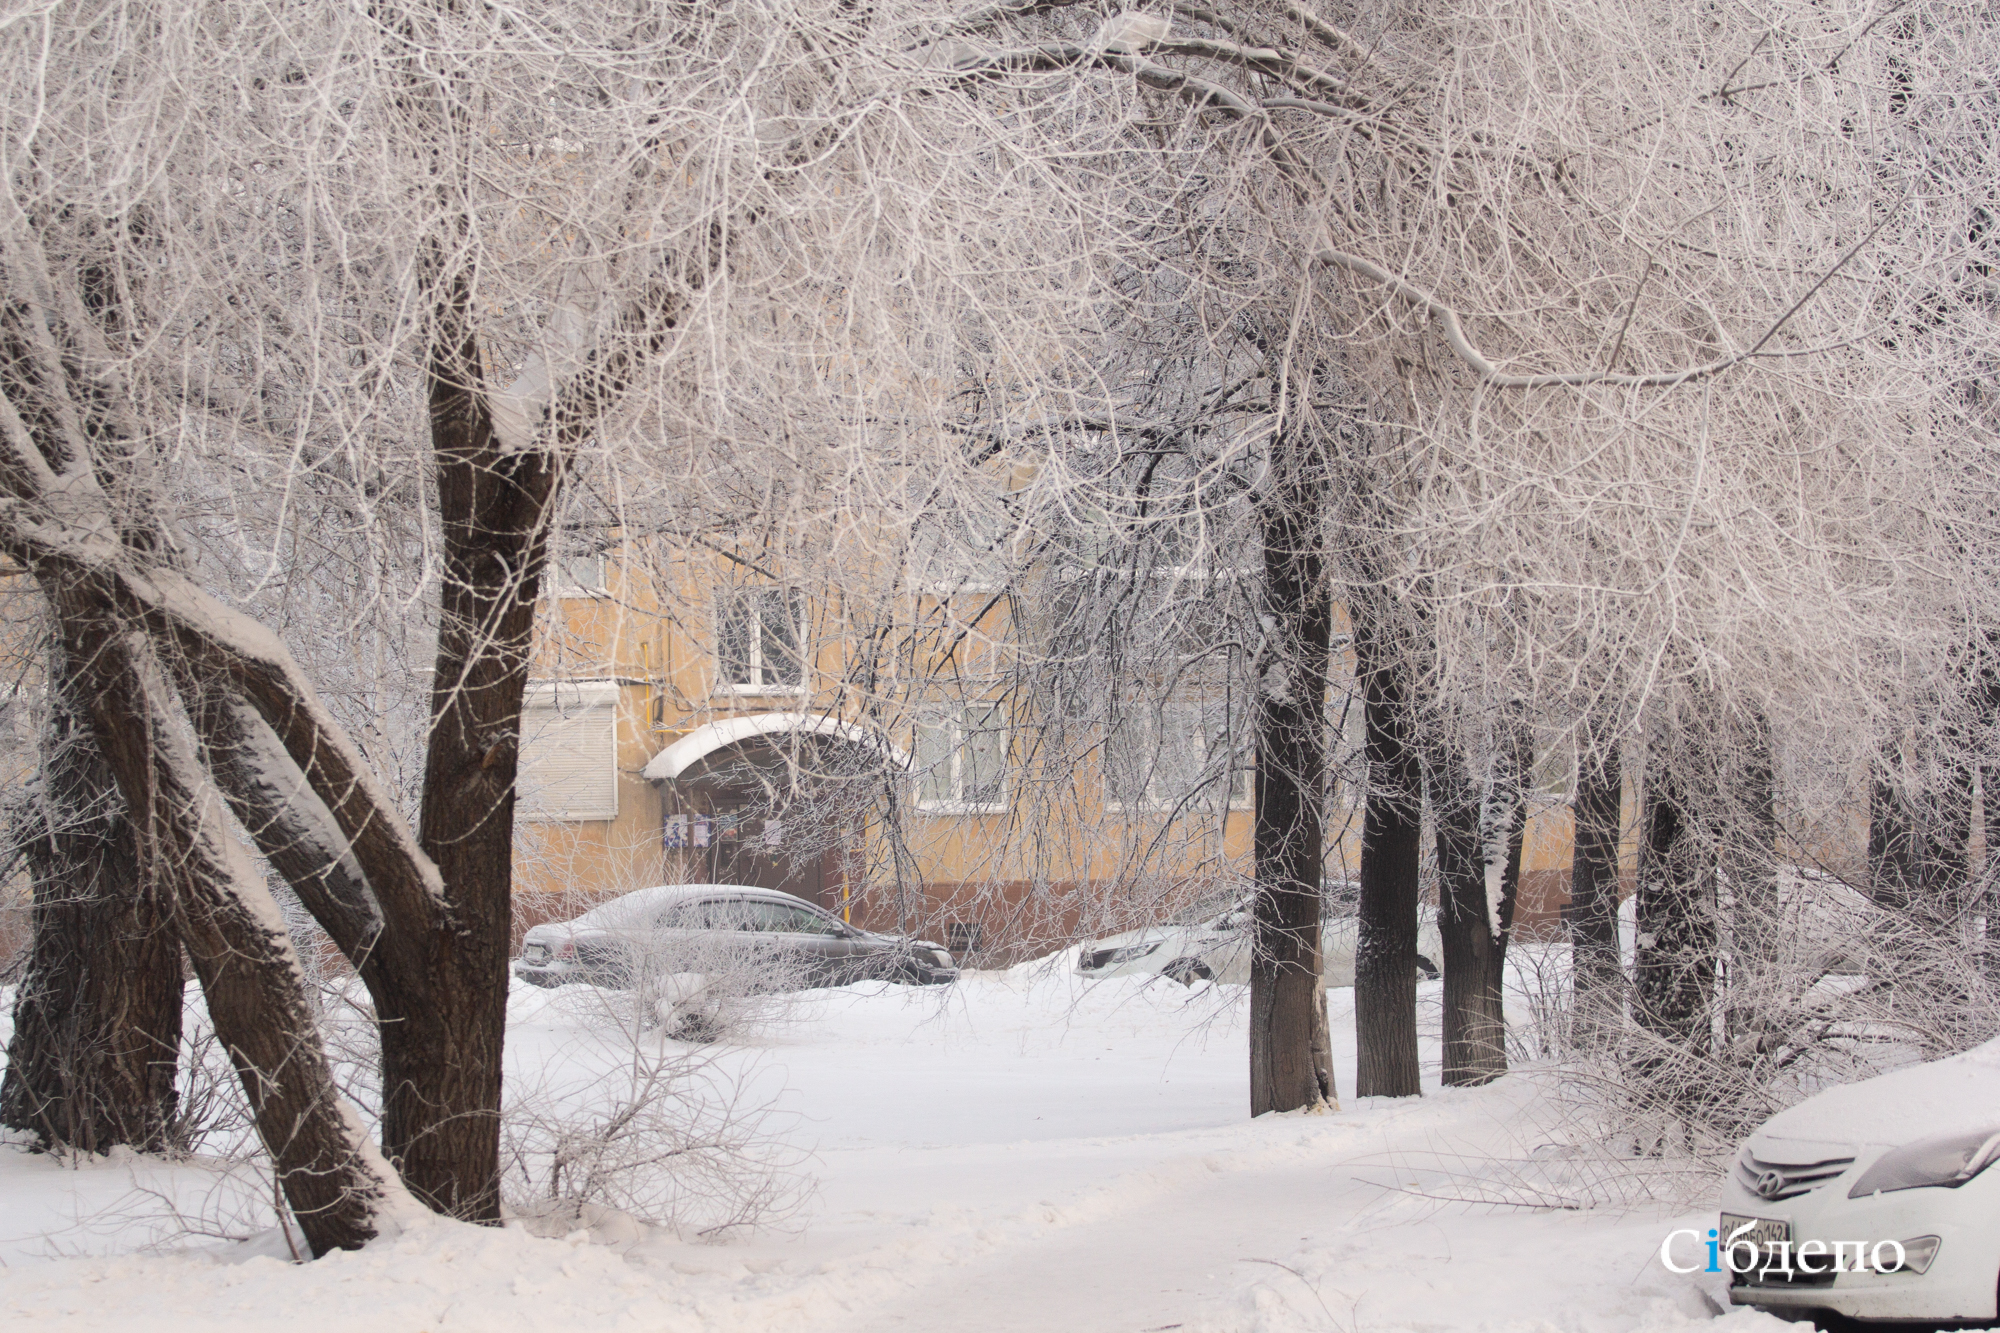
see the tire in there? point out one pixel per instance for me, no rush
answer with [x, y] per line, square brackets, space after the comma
[1187, 971]
[1426, 969]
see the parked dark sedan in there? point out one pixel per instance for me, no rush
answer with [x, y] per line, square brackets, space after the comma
[769, 940]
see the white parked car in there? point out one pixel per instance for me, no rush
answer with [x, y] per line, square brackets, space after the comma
[1886, 1185]
[1215, 946]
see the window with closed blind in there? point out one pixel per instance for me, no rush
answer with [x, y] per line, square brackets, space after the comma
[569, 752]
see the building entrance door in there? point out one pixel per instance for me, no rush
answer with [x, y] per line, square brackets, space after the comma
[749, 847]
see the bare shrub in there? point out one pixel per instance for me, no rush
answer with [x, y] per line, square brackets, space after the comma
[661, 1134]
[1817, 985]
[210, 1115]
[1825, 987]
[1539, 997]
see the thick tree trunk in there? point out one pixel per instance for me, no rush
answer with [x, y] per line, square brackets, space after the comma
[97, 1019]
[441, 1046]
[74, 469]
[1675, 974]
[1597, 970]
[1385, 964]
[1291, 1062]
[1481, 830]
[445, 1024]
[229, 925]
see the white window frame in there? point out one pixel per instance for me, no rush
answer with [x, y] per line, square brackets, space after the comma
[730, 601]
[562, 585]
[569, 699]
[957, 732]
[1241, 780]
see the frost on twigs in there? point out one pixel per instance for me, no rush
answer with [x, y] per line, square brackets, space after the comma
[652, 1133]
[1820, 987]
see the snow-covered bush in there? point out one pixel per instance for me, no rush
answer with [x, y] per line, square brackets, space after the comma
[1823, 986]
[668, 1136]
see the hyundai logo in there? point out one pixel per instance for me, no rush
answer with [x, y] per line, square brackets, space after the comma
[1770, 1184]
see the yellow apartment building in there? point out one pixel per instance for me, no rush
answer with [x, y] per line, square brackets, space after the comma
[716, 735]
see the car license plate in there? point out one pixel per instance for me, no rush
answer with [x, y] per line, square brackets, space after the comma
[1766, 1233]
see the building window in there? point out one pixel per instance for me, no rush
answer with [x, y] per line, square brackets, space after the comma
[757, 637]
[578, 575]
[569, 752]
[962, 761]
[1178, 756]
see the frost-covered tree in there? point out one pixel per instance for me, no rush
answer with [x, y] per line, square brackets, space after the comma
[280, 277]
[1525, 356]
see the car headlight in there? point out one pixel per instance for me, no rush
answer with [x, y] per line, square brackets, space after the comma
[941, 958]
[1949, 1161]
[1129, 952]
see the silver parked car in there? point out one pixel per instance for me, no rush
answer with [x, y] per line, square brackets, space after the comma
[1215, 945]
[766, 939]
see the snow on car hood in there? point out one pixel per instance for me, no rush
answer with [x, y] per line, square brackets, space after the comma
[1958, 1093]
[1144, 936]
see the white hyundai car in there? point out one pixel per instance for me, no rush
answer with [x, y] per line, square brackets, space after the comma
[1215, 946]
[1874, 1200]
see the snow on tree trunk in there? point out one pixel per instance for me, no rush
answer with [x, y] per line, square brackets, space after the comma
[1290, 1051]
[290, 825]
[335, 1185]
[97, 1018]
[1481, 829]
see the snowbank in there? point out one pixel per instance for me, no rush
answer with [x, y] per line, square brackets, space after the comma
[1019, 1151]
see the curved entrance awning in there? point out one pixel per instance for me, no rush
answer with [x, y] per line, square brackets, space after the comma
[686, 753]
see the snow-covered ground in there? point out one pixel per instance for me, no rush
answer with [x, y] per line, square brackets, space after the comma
[1018, 1152]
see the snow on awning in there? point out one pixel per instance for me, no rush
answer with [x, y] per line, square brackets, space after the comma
[691, 749]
